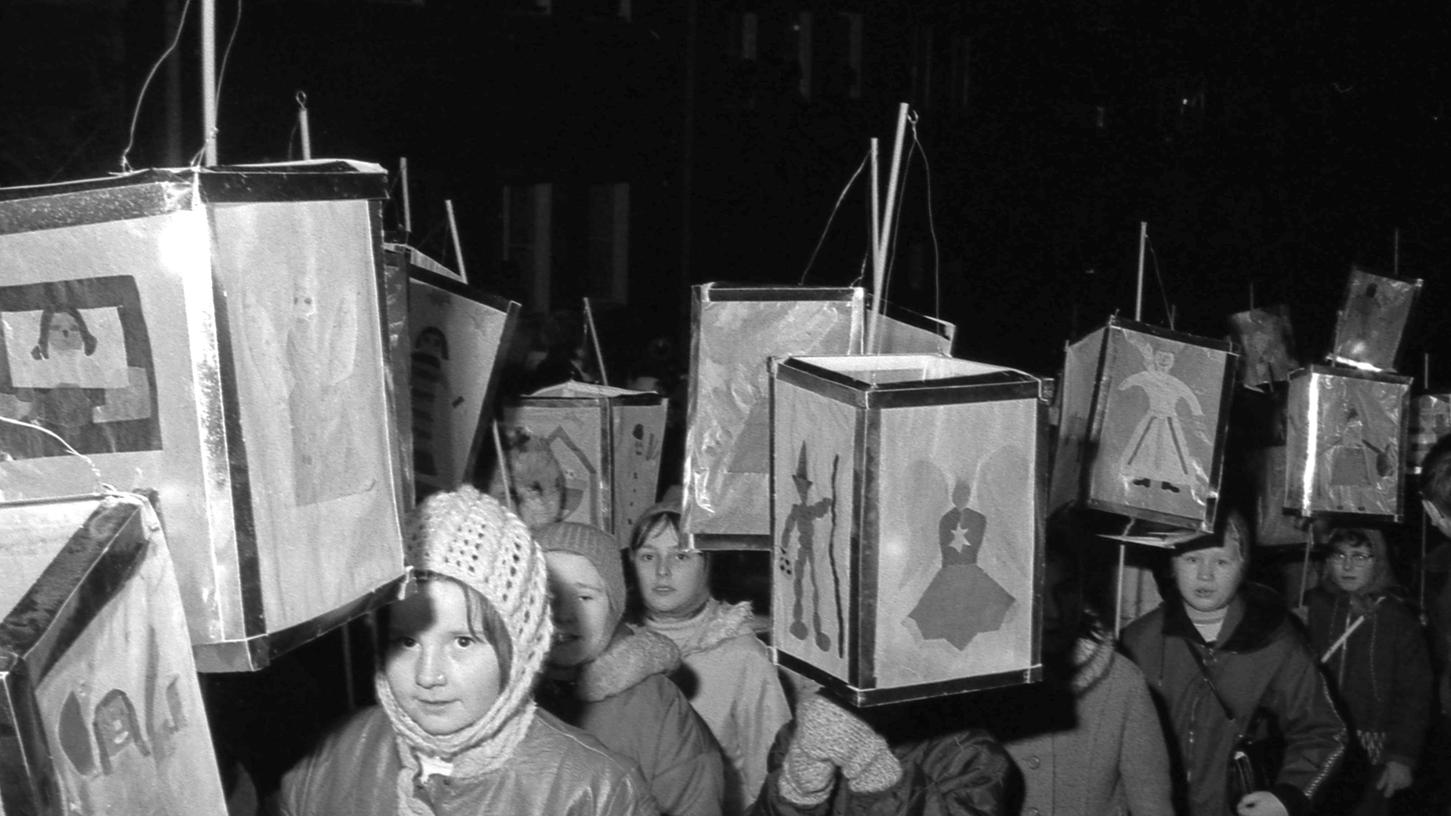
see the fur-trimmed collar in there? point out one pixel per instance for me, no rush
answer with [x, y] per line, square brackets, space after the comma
[715, 623]
[1255, 616]
[1092, 656]
[632, 656]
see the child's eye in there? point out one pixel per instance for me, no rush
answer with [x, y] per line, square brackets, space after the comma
[404, 641]
[647, 557]
[464, 641]
[684, 556]
[586, 598]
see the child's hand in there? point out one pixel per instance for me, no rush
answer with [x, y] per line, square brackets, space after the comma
[1260, 803]
[1394, 779]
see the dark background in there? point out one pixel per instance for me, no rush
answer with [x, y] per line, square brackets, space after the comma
[1267, 144]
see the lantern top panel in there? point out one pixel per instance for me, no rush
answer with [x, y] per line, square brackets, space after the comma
[1124, 324]
[718, 292]
[1352, 373]
[572, 390]
[157, 191]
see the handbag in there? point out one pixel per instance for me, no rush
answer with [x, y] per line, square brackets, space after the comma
[1255, 756]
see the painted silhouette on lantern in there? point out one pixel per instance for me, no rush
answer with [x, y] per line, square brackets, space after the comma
[1158, 453]
[1355, 467]
[962, 601]
[802, 520]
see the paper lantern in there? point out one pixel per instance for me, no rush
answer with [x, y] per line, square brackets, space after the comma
[599, 447]
[214, 335]
[905, 524]
[1346, 434]
[736, 330]
[456, 336]
[101, 711]
[1142, 428]
[1430, 420]
[1267, 346]
[1370, 327]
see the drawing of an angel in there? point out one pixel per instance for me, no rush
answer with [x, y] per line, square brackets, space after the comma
[1158, 454]
[962, 601]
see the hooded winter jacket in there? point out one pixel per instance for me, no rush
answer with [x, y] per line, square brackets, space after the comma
[625, 700]
[732, 684]
[1261, 661]
[555, 769]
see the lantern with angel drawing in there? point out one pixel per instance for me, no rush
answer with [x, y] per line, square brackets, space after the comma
[1345, 437]
[100, 708]
[1142, 427]
[905, 509]
[215, 335]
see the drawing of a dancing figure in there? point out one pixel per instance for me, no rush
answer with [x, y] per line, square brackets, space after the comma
[802, 519]
[1158, 452]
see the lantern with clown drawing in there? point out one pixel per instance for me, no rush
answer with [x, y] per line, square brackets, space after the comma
[905, 507]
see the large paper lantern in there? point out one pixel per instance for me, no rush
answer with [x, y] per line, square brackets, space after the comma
[1370, 327]
[905, 524]
[1346, 433]
[1142, 424]
[100, 709]
[597, 446]
[736, 331]
[217, 336]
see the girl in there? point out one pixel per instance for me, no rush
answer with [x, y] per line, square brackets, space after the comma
[456, 731]
[727, 672]
[1376, 658]
[611, 681]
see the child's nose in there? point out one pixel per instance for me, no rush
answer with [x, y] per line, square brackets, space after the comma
[662, 567]
[429, 673]
[1206, 571]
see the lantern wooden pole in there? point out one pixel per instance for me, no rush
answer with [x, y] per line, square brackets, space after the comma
[209, 82]
[589, 321]
[458, 252]
[1118, 611]
[885, 240]
[875, 209]
[304, 126]
[407, 199]
[504, 475]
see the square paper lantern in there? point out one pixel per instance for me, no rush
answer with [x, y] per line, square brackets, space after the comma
[1267, 345]
[456, 337]
[1142, 427]
[1346, 433]
[1370, 327]
[100, 709]
[215, 335]
[906, 540]
[1430, 420]
[599, 443]
[735, 331]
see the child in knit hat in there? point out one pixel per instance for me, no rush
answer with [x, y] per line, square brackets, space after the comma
[611, 681]
[727, 672]
[456, 729]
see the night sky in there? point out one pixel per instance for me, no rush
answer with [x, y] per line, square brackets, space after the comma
[1268, 145]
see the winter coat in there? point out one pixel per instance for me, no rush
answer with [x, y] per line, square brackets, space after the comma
[1260, 661]
[624, 698]
[732, 684]
[1106, 757]
[555, 769]
[958, 774]
[1382, 672]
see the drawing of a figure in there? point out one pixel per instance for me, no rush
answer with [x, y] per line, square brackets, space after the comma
[1354, 467]
[802, 521]
[429, 393]
[962, 601]
[67, 345]
[1157, 453]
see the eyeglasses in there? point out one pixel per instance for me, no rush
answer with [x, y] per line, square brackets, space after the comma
[1357, 559]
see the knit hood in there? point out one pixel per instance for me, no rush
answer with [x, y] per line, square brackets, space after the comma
[1382, 577]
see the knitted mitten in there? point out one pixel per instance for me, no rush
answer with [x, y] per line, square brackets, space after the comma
[828, 737]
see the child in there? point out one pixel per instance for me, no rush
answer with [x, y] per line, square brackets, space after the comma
[612, 682]
[456, 730]
[1218, 653]
[1375, 655]
[728, 674]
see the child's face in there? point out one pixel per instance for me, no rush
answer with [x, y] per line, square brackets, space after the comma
[1208, 578]
[673, 580]
[581, 609]
[443, 675]
[65, 333]
[1351, 566]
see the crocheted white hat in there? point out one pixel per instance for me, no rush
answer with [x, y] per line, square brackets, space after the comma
[470, 537]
